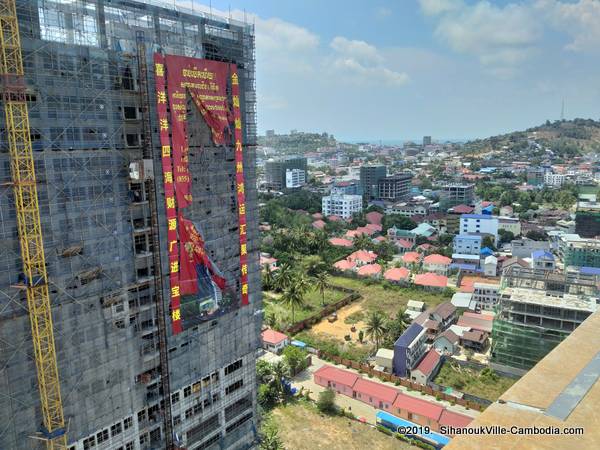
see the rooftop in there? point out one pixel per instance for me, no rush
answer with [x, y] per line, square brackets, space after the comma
[409, 335]
[397, 274]
[532, 399]
[540, 297]
[417, 406]
[437, 259]
[478, 216]
[337, 375]
[375, 389]
[431, 279]
[273, 337]
[429, 362]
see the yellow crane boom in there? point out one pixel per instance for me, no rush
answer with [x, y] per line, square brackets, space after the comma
[29, 226]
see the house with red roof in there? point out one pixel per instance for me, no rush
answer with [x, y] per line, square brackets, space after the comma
[453, 419]
[412, 258]
[419, 411]
[462, 209]
[426, 248]
[267, 261]
[477, 321]
[376, 228]
[334, 218]
[319, 224]
[427, 368]
[362, 257]
[437, 263]
[376, 394]
[345, 265]
[431, 280]
[317, 216]
[369, 270]
[397, 275]
[341, 381]
[274, 341]
[374, 217]
[340, 242]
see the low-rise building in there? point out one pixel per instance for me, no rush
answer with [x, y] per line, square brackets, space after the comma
[384, 359]
[428, 368]
[432, 281]
[341, 205]
[341, 381]
[409, 349]
[490, 266]
[475, 339]
[439, 264]
[485, 296]
[511, 224]
[446, 343]
[479, 224]
[468, 244]
[274, 341]
[414, 308]
[397, 275]
[522, 248]
[544, 260]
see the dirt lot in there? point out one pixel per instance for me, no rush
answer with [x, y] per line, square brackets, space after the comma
[339, 329]
[302, 427]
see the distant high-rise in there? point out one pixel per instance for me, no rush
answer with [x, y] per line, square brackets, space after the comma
[270, 133]
[369, 179]
[587, 219]
[395, 187]
[454, 194]
[129, 378]
[426, 140]
[279, 170]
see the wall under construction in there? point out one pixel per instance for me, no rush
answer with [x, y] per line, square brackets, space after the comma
[87, 126]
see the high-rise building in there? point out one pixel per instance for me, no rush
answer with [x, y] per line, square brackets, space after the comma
[341, 205]
[579, 252]
[587, 219]
[454, 194]
[369, 179]
[395, 187]
[536, 310]
[276, 171]
[129, 377]
[426, 140]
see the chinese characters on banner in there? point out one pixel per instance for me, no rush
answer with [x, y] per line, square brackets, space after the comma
[206, 83]
[240, 187]
[171, 212]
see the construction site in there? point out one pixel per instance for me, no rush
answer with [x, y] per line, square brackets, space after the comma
[538, 309]
[96, 349]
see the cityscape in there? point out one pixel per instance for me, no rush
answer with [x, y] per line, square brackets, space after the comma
[179, 271]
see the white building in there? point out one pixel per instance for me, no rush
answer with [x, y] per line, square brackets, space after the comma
[490, 266]
[295, 178]
[479, 224]
[485, 296]
[341, 205]
[554, 179]
[512, 224]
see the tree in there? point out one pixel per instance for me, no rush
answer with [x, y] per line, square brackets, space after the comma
[375, 327]
[295, 358]
[270, 320]
[313, 265]
[284, 277]
[326, 401]
[361, 336]
[488, 241]
[397, 220]
[267, 395]
[264, 371]
[270, 440]
[395, 327]
[322, 283]
[505, 236]
[268, 279]
[280, 372]
[363, 242]
[536, 235]
[293, 297]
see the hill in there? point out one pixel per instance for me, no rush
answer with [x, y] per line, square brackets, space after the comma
[565, 139]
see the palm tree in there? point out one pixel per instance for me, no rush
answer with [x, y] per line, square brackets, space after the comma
[362, 242]
[280, 372]
[322, 283]
[267, 278]
[375, 327]
[293, 296]
[270, 320]
[284, 277]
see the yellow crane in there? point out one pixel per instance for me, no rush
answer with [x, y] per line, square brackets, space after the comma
[29, 226]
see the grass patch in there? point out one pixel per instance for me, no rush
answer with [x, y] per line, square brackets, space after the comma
[302, 427]
[482, 383]
[313, 304]
[376, 297]
[354, 318]
[335, 347]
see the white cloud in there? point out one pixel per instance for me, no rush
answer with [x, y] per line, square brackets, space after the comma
[362, 63]
[435, 7]
[500, 37]
[579, 20]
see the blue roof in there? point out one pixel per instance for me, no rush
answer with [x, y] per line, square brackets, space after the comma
[475, 216]
[409, 335]
[438, 438]
[542, 254]
[298, 344]
[590, 270]
[487, 251]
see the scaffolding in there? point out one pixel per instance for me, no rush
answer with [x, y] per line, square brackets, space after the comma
[125, 381]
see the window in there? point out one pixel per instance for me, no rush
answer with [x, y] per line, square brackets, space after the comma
[116, 429]
[234, 387]
[175, 397]
[127, 423]
[143, 439]
[102, 436]
[129, 446]
[141, 416]
[176, 420]
[89, 442]
[189, 413]
[187, 392]
[130, 112]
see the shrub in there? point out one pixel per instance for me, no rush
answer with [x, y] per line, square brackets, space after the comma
[326, 401]
[397, 383]
[384, 430]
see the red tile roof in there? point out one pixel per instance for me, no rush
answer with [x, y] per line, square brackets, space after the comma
[437, 259]
[369, 270]
[340, 242]
[463, 209]
[317, 216]
[418, 406]
[377, 390]
[374, 227]
[481, 322]
[344, 264]
[429, 362]
[273, 337]
[411, 257]
[374, 217]
[397, 274]
[404, 243]
[453, 419]
[334, 218]
[365, 256]
[319, 224]
[431, 280]
[337, 375]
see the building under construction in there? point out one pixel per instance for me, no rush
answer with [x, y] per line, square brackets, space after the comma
[537, 309]
[88, 356]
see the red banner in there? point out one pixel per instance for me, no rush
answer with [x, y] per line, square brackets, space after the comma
[206, 81]
[240, 186]
[170, 206]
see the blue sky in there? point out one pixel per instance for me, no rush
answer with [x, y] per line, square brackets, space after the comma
[453, 69]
